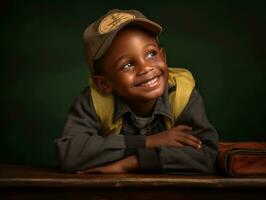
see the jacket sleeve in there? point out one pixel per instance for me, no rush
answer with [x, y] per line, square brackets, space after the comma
[187, 159]
[82, 145]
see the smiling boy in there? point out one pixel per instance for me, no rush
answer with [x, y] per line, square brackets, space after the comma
[128, 120]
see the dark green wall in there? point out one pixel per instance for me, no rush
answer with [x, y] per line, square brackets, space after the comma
[43, 68]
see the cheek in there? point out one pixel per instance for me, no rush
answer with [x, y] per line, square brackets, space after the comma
[159, 61]
[122, 85]
[123, 80]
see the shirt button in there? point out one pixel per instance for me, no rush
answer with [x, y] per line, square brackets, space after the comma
[143, 131]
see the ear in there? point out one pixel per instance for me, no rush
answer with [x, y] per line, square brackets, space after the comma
[102, 85]
[162, 50]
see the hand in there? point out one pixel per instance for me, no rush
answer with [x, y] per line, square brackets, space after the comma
[125, 165]
[174, 137]
[106, 169]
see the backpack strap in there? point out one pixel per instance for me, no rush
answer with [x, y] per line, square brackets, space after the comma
[184, 83]
[104, 106]
[179, 78]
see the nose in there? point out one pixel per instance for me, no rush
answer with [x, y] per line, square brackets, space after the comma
[144, 67]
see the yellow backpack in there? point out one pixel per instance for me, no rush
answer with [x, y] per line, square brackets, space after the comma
[180, 78]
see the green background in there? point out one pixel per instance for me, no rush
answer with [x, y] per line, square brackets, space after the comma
[43, 66]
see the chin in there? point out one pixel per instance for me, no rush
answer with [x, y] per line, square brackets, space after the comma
[152, 95]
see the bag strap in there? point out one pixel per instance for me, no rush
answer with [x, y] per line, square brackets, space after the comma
[184, 82]
[104, 107]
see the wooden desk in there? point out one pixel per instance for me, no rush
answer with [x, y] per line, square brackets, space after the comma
[25, 182]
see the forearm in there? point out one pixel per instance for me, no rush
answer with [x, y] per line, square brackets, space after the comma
[84, 151]
[188, 160]
[178, 136]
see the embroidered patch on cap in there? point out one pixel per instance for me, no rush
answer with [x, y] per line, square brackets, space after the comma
[113, 21]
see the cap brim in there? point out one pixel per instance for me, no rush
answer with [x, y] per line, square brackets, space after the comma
[146, 24]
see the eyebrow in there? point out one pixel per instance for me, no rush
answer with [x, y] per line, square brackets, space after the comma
[147, 45]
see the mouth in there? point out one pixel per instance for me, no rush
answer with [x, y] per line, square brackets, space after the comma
[153, 82]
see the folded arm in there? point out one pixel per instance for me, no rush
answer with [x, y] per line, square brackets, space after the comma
[82, 146]
[186, 158]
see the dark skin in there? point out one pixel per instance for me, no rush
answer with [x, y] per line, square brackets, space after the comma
[135, 68]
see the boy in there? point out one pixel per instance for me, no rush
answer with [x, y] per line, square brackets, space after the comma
[137, 115]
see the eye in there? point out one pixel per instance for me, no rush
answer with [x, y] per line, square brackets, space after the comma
[151, 54]
[127, 66]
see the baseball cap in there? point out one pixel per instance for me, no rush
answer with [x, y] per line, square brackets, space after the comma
[99, 35]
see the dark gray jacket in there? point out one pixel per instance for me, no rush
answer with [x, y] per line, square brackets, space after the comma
[82, 145]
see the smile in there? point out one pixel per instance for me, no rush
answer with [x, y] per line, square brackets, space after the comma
[151, 83]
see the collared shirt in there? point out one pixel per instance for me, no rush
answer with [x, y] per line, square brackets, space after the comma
[82, 144]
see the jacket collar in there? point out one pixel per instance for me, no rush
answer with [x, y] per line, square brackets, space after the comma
[162, 107]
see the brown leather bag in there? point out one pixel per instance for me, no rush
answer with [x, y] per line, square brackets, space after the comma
[242, 159]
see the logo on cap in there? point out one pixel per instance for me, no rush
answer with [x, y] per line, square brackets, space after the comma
[113, 21]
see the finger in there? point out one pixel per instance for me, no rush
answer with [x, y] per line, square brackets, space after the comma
[183, 128]
[188, 140]
[193, 138]
[189, 136]
[178, 144]
[87, 171]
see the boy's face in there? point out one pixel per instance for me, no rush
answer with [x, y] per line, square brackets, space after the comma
[134, 67]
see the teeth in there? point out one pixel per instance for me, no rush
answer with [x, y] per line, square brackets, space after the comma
[151, 82]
